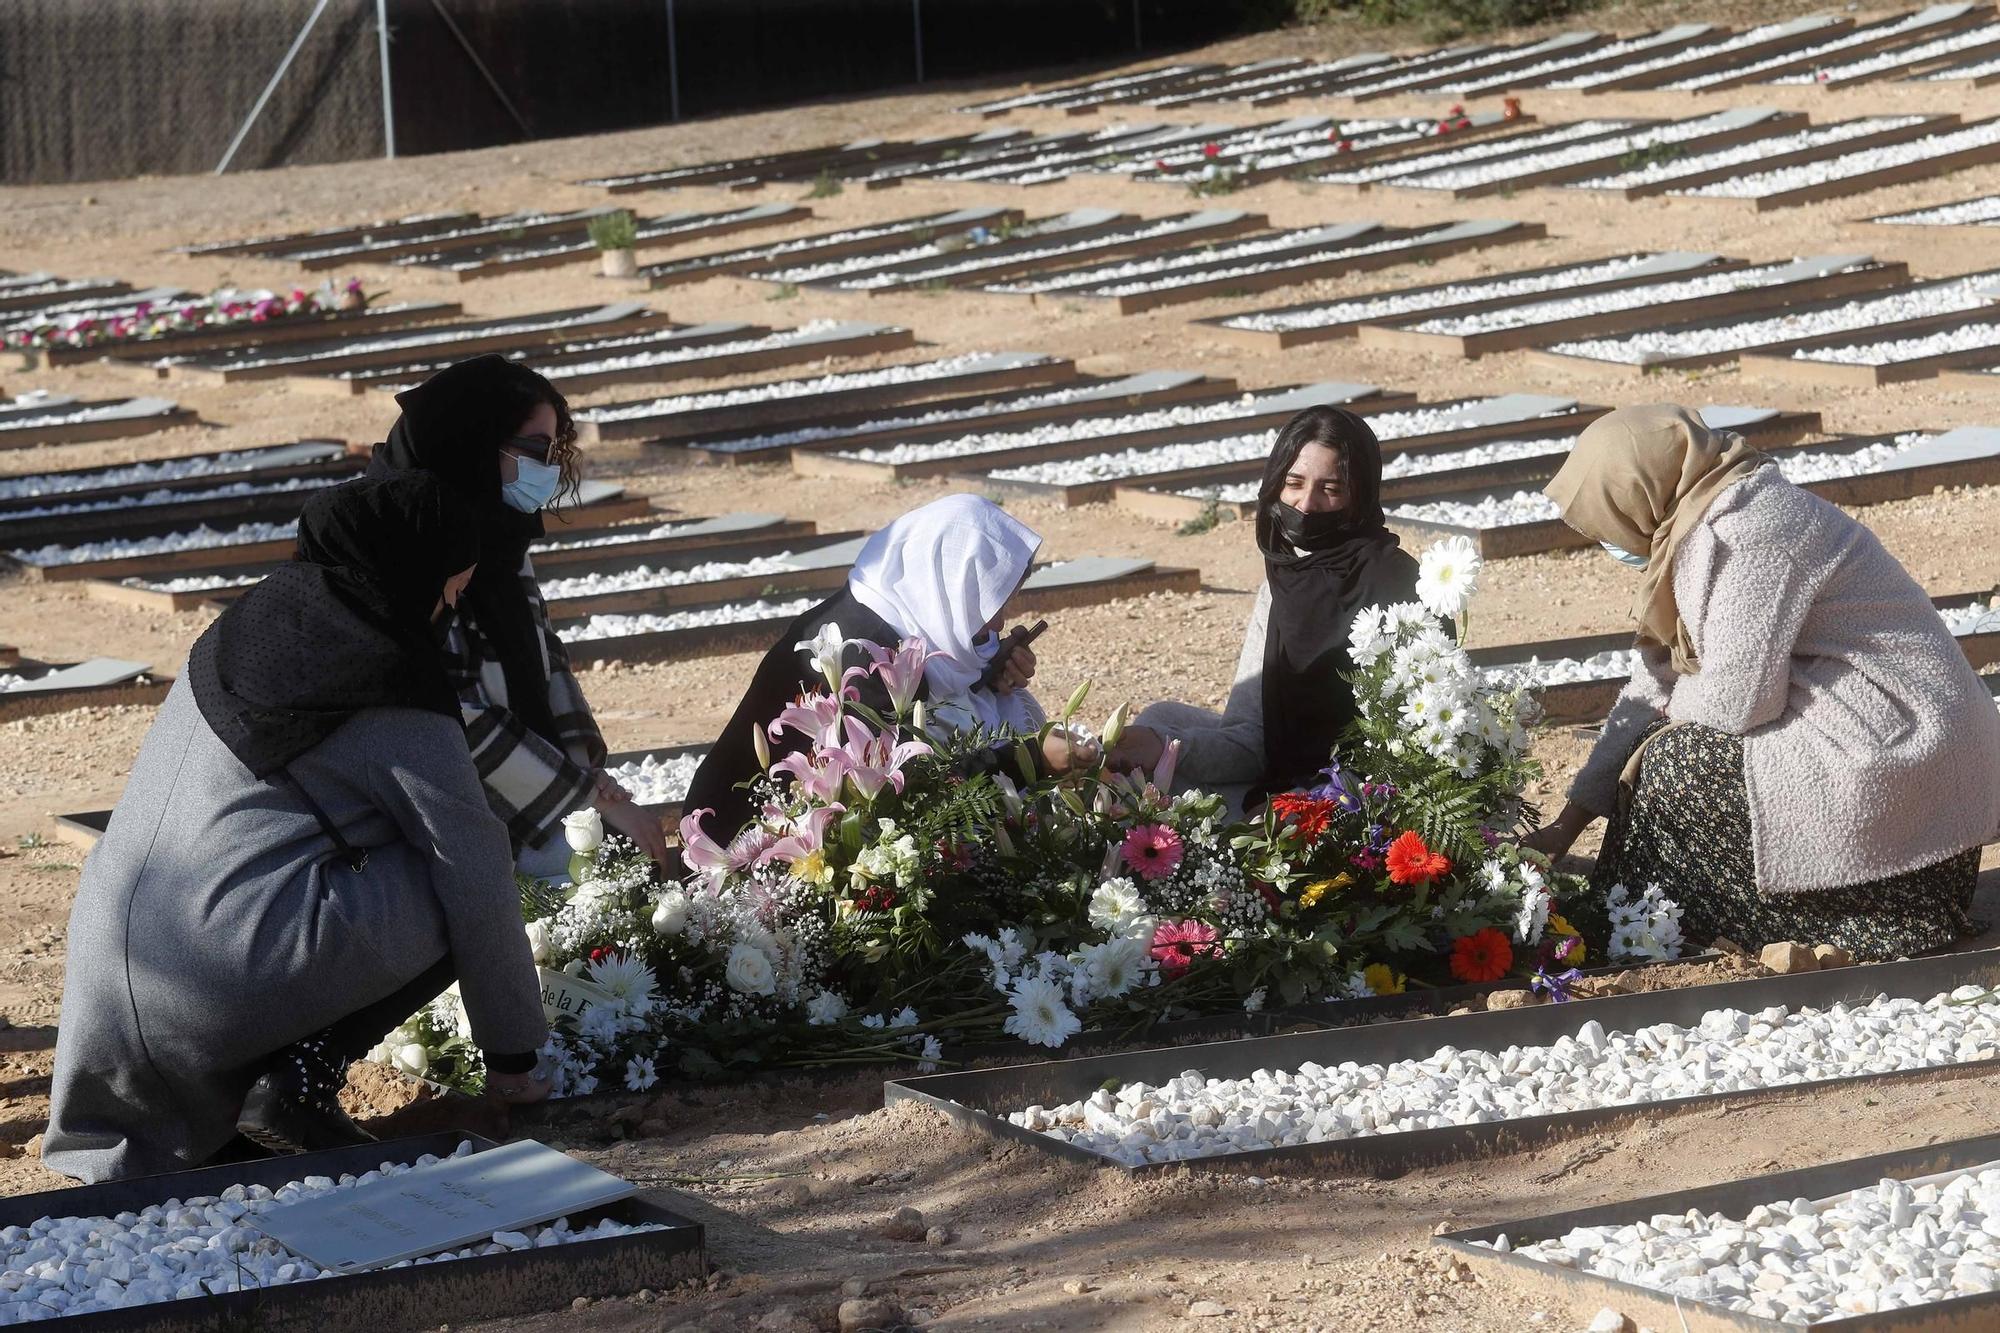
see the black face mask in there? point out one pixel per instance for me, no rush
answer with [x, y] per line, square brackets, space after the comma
[1308, 532]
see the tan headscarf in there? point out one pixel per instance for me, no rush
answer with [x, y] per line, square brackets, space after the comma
[1641, 478]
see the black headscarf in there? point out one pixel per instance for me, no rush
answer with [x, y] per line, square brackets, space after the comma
[452, 426]
[345, 626]
[1315, 594]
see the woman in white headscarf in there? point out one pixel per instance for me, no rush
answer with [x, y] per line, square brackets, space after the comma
[943, 573]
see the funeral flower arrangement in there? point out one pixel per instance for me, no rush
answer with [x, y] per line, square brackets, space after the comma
[909, 889]
[148, 319]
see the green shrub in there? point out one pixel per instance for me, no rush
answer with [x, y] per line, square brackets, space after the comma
[614, 231]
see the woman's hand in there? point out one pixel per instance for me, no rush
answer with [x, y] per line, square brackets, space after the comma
[605, 790]
[1017, 668]
[1555, 838]
[519, 1089]
[1139, 747]
[1062, 753]
[640, 825]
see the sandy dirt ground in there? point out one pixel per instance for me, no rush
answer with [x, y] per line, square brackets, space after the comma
[795, 1179]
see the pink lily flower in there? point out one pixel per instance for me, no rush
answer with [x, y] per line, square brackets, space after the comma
[802, 836]
[814, 716]
[817, 774]
[702, 853]
[875, 761]
[902, 669]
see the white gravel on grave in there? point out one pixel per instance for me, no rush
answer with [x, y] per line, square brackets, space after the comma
[232, 490]
[645, 576]
[1965, 338]
[1984, 211]
[73, 417]
[1212, 453]
[1979, 71]
[1193, 1116]
[974, 261]
[1309, 254]
[916, 373]
[1061, 162]
[1414, 465]
[1051, 96]
[1758, 151]
[1366, 141]
[1243, 148]
[1614, 664]
[806, 434]
[194, 539]
[804, 333]
[1602, 303]
[1478, 152]
[837, 268]
[1388, 304]
[733, 613]
[194, 582]
[1060, 432]
[1524, 78]
[1096, 278]
[1470, 65]
[1915, 55]
[170, 469]
[1978, 618]
[1852, 38]
[1893, 1245]
[1460, 178]
[195, 1248]
[9, 682]
[1647, 345]
[779, 249]
[434, 335]
[1778, 181]
[1802, 466]
[499, 227]
[654, 780]
[1698, 52]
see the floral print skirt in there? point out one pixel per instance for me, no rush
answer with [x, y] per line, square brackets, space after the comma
[1688, 830]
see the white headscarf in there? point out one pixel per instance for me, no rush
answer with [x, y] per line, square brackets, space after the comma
[942, 572]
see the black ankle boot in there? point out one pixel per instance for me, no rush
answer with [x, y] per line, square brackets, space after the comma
[295, 1106]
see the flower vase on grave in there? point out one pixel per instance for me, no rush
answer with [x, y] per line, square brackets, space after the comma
[619, 263]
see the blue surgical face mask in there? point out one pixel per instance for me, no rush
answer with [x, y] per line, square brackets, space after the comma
[1623, 556]
[534, 485]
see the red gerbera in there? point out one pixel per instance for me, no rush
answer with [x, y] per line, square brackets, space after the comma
[1410, 862]
[1211, 150]
[1484, 955]
[1176, 944]
[1308, 815]
[1153, 850]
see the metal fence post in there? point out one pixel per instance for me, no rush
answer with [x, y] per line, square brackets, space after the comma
[917, 22]
[264, 97]
[388, 88]
[673, 66]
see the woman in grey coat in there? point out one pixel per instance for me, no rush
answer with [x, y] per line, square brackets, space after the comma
[303, 856]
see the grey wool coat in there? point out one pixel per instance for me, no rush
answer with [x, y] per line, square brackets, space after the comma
[215, 925]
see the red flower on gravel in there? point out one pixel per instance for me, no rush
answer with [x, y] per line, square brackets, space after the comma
[1344, 146]
[1484, 955]
[1152, 850]
[1410, 862]
[1307, 815]
[1458, 109]
[1211, 150]
[1176, 944]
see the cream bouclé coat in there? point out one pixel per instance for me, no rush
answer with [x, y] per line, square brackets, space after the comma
[1870, 747]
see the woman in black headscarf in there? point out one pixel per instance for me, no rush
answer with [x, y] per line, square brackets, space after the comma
[301, 859]
[1327, 555]
[501, 436]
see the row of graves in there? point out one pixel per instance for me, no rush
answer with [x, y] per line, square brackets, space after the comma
[1951, 44]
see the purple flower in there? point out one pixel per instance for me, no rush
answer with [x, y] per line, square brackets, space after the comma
[1558, 987]
[1336, 789]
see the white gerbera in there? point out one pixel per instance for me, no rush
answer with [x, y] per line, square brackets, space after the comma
[749, 970]
[626, 977]
[1533, 918]
[1115, 904]
[1495, 875]
[1114, 967]
[1369, 638]
[825, 1007]
[1447, 573]
[1040, 1017]
[639, 1074]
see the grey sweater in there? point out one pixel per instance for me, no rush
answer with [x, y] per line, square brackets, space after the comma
[1869, 746]
[214, 926]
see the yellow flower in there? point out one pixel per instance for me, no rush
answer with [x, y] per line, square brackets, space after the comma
[1560, 927]
[1314, 892]
[1383, 979]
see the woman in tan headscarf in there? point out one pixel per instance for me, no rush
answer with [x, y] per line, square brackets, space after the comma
[1805, 754]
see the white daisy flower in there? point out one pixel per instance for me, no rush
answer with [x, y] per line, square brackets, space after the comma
[1040, 1017]
[1114, 967]
[627, 977]
[1447, 573]
[639, 1074]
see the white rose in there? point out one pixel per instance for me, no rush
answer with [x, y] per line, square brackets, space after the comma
[750, 971]
[413, 1059]
[584, 830]
[670, 918]
[538, 941]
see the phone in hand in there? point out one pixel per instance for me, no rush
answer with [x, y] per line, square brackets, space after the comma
[1016, 638]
